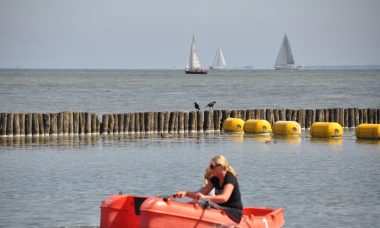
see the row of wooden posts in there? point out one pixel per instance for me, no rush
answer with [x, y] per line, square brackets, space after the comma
[77, 123]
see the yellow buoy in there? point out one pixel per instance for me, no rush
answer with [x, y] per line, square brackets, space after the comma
[286, 128]
[368, 131]
[326, 129]
[233, 124]
[257, 126]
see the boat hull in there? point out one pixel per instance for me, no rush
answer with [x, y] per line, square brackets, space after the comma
[196, 72]
[287, 67]
[135, 211]
[218, 68]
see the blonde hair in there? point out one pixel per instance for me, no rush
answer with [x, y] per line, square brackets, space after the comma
[221, 160]
[207, 175]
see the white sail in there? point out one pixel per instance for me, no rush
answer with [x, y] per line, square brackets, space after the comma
[219, 62]
[193, 63]
[285, 59]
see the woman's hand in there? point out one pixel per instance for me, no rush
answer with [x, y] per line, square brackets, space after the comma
[199, 195]
[180, 194]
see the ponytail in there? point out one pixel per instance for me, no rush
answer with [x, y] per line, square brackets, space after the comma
[232, 170]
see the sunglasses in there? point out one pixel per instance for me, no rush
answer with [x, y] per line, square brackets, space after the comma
[212, 165]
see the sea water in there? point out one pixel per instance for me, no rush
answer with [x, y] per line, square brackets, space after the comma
[119, 91]
[61, 181]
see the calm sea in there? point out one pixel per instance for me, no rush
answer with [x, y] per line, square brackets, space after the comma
[55, 182]
[105, 91]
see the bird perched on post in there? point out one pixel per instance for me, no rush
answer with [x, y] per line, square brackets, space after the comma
[211, 105]
[196, 106]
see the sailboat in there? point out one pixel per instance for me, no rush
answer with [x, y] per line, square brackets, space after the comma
[220, 62]
[193, 65]
[285, 59]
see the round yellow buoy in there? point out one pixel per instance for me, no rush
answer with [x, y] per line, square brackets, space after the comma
[326, 129]
[233, 124]
[368, 131]
[257, 126]
[286, 128]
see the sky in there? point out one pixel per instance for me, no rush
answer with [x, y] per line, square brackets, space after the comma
[135, 34]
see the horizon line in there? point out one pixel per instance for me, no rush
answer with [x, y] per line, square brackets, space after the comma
[352, 66]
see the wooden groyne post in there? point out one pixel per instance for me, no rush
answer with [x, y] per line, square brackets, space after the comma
[46, 124]
[86, 123]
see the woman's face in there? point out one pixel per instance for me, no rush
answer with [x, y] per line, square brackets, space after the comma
[216, 168]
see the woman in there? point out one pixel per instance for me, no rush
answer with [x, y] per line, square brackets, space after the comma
[227, 192]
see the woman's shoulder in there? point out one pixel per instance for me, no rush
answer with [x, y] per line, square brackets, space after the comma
[230, 174]
[230, 177]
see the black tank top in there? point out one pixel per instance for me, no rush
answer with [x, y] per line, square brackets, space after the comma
[235, 199]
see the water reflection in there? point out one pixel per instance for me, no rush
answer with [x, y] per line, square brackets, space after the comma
[66, 141]
[287, 138]
[74, 141]
[236, 137]
[264, 138]
[368, 141]
[332, 140]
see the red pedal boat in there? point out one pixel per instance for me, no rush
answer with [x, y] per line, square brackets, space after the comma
[141, 211]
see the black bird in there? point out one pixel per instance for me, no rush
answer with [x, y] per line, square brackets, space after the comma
[196, 106]
[211, 104]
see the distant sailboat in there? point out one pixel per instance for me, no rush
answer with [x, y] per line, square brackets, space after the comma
[193, 65]
[285, 59]
[220, 62]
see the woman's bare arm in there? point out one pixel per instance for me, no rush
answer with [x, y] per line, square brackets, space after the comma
[222, 198]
